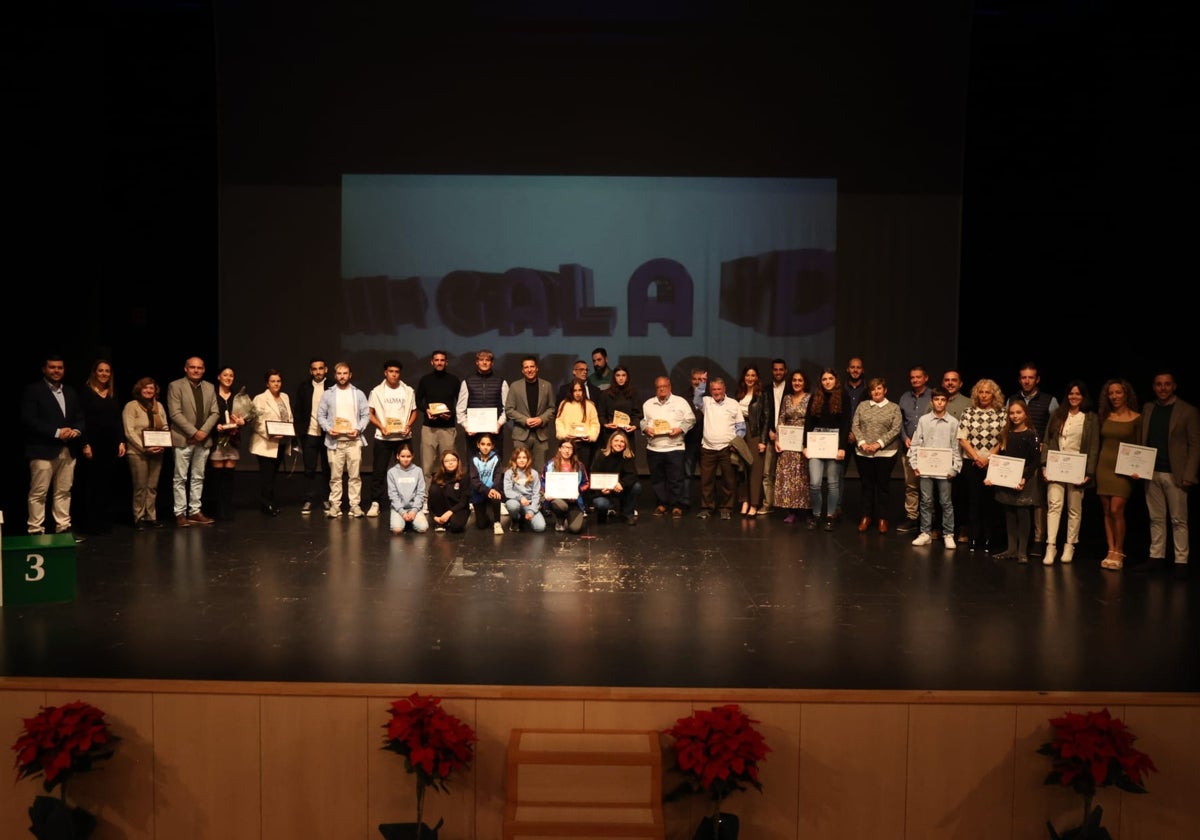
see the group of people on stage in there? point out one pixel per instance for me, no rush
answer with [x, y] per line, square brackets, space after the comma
[777, 443]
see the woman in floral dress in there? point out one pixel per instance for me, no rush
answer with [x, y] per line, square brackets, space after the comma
[791, 467]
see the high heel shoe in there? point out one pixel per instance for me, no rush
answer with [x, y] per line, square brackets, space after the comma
[752, 511]
[1114, 562]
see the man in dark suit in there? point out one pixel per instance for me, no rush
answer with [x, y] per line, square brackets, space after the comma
[530, 406]
[53, 419]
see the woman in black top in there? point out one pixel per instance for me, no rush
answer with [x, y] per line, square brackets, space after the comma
[1018, 440]
[616, 457]
[619, 396]
[103, 448]
[449, 495]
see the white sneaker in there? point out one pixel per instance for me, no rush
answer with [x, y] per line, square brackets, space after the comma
[497, 529]
[1068, 553]
[373, 510]
[923, 539]
[356, 512]
[333, 512]
[1048, 557]
[949, 542]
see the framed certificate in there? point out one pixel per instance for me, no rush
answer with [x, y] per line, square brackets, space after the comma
[620, 418]
[935, 462]
[1067, 467]
[481, 421]
[283, 428]
[393, 425]
[791, 438]
[156, 437]
[660, 426]
[603, 481]
[439, 408]
[579, 430]
[1004, 471]
[342, 425]
[822, 443]
[562, 485]
[1136, 460]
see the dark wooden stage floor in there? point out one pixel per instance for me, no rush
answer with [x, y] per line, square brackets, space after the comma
[747, 603]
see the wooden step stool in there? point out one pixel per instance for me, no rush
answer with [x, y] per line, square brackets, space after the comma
[571, 784]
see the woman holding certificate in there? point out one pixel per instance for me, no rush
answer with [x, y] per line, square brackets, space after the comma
[618, 493]
[1072, 444]
[145, 454]
[791, 467]
[1120, 423]
[619, 402]
[876, 427]
[827, 422]
[1018, 441]
[272, 434]
[564, 481]
[754, 412]
[578, 422]
[979, 436]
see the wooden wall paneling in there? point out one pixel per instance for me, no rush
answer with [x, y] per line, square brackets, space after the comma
[393, 791]
[852, 766]
[314, 766]
[772, 814]
[207, 771]
[496, 720]
[1170, 810]
[15, 799]
[120, 791]
[960, 772]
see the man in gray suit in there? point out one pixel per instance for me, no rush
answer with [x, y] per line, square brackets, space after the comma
[1172, 427]
[192, 408]
[530, 407]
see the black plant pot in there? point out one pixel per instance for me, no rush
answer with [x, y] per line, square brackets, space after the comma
[409, 831]
[1090, 830]
[727, 829]
[53, 819]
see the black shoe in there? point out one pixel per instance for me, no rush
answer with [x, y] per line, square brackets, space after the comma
[270, 510]
[140, 525]
[1037, 550]
[829, 523]
[908, 526]
[812, 523]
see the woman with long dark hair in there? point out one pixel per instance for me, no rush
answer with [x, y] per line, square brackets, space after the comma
[1120, 423]
[828, 411]
[103, 448]
[1073, 427]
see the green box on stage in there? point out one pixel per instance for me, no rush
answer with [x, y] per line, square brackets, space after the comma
[37, 569]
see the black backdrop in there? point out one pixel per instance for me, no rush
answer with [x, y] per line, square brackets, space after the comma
[1066, 136]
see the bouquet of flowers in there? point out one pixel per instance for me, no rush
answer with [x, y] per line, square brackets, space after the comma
[433, 742]
[1091, 751]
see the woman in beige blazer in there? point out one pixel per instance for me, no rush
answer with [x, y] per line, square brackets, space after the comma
[271, 406]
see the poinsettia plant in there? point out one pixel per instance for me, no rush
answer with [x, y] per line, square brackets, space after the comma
[434, 743]
[718, 752]
[57, 743]
[1090, 751]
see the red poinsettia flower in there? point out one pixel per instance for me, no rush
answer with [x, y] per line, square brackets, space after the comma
[718, 751]
[1095, 750]
[62, 740]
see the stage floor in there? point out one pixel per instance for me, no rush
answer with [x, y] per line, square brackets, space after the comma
[748, 603]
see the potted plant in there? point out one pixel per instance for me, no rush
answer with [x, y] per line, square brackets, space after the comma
[718, 752]
[434, 744]
[57, 743]
[1090, 751]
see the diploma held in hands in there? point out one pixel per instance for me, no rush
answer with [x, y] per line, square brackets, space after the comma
[621, 419]
[1004, 471]
[562, 485]
[282, 428]
[156, 437]
[603, 481]
[439, 408]
[934, 462]
[660, 426]
[1136, 460]
[823, 443]
[481, 421]
[791, 438]
[1066, 467]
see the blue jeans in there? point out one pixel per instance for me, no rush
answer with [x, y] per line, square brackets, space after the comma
[829, 469]
[193, 458]
[942, 486]
[516, 513]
